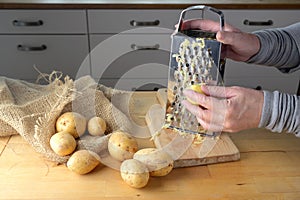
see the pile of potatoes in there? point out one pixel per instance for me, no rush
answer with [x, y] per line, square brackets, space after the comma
[137, 165]
[69, 127]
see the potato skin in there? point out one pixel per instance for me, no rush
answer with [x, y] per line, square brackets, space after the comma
[157, 161]
[72, 122]
[96, 126]
[122, 145]
[134, 173]
[83, 161]
[63, 143]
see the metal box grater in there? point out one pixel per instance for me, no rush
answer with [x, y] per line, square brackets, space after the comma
[195, 59]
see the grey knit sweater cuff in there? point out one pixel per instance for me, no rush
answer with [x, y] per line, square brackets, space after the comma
[281, 112]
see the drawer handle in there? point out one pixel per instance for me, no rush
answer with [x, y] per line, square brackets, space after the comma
[27, 23]
[258, 23]
[258, 87]
[31, 48]
[138, 47]
[144, 23]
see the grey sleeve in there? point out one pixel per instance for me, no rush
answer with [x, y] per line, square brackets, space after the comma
[281, 112]
[279, 48]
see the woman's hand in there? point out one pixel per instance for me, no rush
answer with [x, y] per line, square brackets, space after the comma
[229, 109]
[238, 45]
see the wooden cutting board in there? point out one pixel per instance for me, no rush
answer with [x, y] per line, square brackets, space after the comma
[184, 150]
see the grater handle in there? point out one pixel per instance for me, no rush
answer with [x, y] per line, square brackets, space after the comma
[203, 8]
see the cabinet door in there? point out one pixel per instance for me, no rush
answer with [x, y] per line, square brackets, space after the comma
[257, 76]
[135, 84]
[42, 21]
[126, 56]
[251, 20]
[116, 21]
[287, 84]
[19, 55]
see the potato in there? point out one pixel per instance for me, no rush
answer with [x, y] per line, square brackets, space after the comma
[122, 145]
[196, 88]
[63, 143]
[96, 126]
[83, 161]
[134, 173]
[72, 122]
[157, 161]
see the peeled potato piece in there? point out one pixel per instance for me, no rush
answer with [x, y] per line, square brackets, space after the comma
[157, 161]
[196, 88]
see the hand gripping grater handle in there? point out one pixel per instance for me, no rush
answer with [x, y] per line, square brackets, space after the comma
[217, 53]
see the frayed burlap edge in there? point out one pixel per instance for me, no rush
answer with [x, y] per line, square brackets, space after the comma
[43, 124]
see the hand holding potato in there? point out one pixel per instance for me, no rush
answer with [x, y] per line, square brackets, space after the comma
[229, 109]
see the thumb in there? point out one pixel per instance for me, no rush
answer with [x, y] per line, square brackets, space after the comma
[216, 91]
[226, 37]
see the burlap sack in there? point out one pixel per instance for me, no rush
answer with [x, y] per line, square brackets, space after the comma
[31, 110]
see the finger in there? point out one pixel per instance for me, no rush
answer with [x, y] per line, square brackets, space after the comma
[204, 117]
[203, 24]
[224, 37]
[207, 25]
[194, 109]
[198, 98]
[210, 126]
[197, 111]
[217, 91]
[231, 38]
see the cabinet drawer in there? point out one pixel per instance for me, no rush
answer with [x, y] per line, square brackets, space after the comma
[42, 21]
[234, 69]
[61, 53]
[116, 21]
[265, 77]
[251, 20]
[130, 56]
[283, 84]
[135, 84]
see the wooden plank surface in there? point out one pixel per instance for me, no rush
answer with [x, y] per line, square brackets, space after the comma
[263, 172]
[268, 170]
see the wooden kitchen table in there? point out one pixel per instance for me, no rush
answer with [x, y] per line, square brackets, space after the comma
[268, 169]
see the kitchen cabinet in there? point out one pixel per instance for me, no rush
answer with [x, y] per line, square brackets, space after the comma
[257, 76]
[43, 40]
[123, 48]
[131, 48]
[130, 25]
